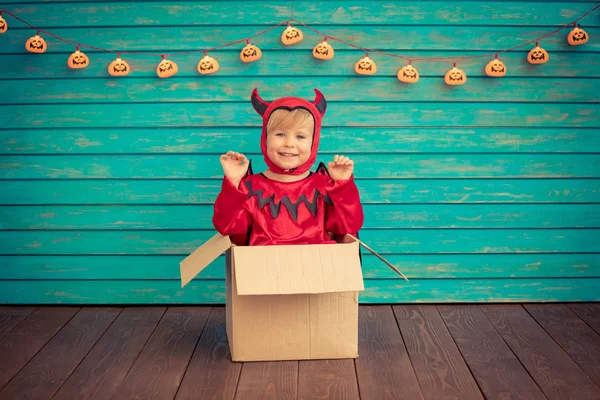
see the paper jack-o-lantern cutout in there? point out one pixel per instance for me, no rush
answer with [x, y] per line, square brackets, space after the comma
[78, 60]
[495, 68]
[455, 76]
[36, 44]
[323, 51]
[3, 24]
[538, 55]
[166, 68]
[408, 74]
[291, 35]
[365, 66]
[119, 67]
[577, 36]
[207, 65]
[250, 53]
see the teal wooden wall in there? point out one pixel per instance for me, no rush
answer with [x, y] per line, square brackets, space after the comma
[486, 192]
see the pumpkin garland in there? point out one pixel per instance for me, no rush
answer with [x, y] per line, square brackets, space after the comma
[322, 51]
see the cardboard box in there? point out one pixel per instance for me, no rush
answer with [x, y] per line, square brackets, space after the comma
[287, 302]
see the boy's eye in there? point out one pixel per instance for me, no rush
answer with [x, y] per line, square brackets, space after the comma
[280, 134]
[301, 137]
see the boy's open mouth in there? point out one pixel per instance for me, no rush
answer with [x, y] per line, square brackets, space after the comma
[287, 154]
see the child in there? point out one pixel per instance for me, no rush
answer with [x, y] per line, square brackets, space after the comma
[287, 204]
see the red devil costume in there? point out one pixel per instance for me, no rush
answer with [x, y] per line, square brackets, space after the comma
[262, 211]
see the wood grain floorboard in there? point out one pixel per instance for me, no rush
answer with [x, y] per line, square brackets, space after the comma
[50, 368]
[557, 375]
[102, 371]
[159, 369]
[327, 379]
[590, 313]
[271, 380]
[438, 364]
[11, 317]
[496, 369]
[383, 368]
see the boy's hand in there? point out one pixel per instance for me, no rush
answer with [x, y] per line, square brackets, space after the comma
[340, 168]
[235, 166]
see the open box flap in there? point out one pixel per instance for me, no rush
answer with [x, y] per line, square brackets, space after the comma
[193, 264]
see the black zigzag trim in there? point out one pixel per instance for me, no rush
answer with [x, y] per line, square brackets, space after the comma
[287, 203]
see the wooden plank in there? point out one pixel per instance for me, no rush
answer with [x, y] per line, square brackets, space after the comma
[268, 380]
[381, 216]
[11, 317]
[498, 373]
[22, 343]
[381, 191]
[345, 140]
[393, 166]
[273, 12]
[210, 373]
[556, 374]
[575, 337]
[383, 368]
[376, 291]
[429, 266]
[393, 114]
[437, 362]
[51, 367]
[327, 379]
[590, 313]
[384, 241]
[301, 63]
[384, 38]
[215, 89]
[104, 368]
[158, 371]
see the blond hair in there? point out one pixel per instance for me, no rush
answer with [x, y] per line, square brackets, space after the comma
[284, 119]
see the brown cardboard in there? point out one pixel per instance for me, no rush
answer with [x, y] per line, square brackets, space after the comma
[287, 302]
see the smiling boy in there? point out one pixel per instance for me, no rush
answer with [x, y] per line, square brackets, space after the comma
[287, 203]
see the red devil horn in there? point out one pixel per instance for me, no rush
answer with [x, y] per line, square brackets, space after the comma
[259, 104]
[320, 102]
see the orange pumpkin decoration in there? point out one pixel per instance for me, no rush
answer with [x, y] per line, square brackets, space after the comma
[323, 51]
[166, 68]
[36, 44]
[291, 35]
[455, 76]
[495, 68]
[408, 74]
[250, 53]
[577, 36]
[207, 65]
[365, 66]
[3, 25]
[119, 67]
[538, 55]
[78, 60]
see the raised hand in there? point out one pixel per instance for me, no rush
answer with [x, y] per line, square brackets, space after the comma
[340, 168]
[235, 166]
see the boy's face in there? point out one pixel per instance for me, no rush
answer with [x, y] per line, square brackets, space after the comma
[290, 148]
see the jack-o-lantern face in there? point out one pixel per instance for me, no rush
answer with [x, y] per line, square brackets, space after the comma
[78, 60]
[365, 66]
[3, 25]
[323, 51]
[36, 44]
[291, 35]
[577, 36]
[495, 68]
[208, 65]
[455, 76]
[119, 67]
[408, 74]
[166, 68]
[537, 55]
[250, 53]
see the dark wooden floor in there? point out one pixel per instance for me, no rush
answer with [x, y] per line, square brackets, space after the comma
[529, 351]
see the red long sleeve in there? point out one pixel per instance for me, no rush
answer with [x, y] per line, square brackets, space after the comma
[230, 214]
[346, 214]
